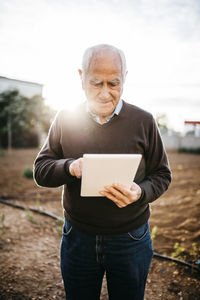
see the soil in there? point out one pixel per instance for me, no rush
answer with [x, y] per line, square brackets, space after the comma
[29, 242]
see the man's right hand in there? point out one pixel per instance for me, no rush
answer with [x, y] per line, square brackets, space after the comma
[75, 169]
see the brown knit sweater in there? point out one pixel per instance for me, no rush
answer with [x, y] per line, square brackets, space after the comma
[73, 134]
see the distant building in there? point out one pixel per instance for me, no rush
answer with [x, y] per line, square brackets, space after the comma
[192, 127]
[26, 88]
[189, 141]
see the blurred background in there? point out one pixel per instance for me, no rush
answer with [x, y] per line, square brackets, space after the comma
[42, 44]
[41, 48]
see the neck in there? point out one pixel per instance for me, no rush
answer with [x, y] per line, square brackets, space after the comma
[102, 118]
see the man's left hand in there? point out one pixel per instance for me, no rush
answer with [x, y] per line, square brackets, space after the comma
[122, 195]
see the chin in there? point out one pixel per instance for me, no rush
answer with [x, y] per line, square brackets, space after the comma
[104, 113]
[106, 109]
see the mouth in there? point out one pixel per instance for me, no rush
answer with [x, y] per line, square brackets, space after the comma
[104, 102]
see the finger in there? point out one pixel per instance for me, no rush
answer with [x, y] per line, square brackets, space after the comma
[118, 197]
[122, 188]
[80, 166]
[71, 170]
[77, 170]
[134, 186]
[118, 194]
[132, 194]
[136, 189]
[127, 196]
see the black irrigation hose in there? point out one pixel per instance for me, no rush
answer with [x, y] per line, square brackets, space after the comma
[49, 214]
[24, 196]
[50, 191]
[39, 211]
[177, 261]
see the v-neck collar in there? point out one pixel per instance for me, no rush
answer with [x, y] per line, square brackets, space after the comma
[111, 121]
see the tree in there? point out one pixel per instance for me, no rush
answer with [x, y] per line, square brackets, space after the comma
[162, 122]
[20, 118]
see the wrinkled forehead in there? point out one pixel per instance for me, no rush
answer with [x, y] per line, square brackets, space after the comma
[105, 61]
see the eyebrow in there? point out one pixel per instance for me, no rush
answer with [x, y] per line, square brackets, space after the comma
[117, 80]
[94, 80]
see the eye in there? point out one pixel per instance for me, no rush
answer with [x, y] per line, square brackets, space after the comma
[95, 83]
[114, 83]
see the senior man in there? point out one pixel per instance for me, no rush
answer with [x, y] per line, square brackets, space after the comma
[108, 234]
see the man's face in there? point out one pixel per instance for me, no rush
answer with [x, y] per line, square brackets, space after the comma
[103, 83]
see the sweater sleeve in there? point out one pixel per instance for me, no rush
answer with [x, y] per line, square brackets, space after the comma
[158, 174]
[50, 168]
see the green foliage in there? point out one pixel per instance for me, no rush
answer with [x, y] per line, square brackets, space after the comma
[162, 122]
[181, 253]
[24, 116]
[59, 227]
[178, 253]
[191, 132]
[2, 225]
[189, 150]
[59, 230]
[2, 154]
[195, 252]
[153, 232]
[2, 218]
[18, 183]
[28, 173]
[30, 217]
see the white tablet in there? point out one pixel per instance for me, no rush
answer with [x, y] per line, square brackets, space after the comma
[100, 170]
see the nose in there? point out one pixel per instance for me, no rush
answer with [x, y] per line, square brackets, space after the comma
[104, 93]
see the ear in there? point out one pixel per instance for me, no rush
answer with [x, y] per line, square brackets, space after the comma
[81, 77]
[80, 73]
[125, 75]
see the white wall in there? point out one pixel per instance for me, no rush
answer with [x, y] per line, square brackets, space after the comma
[28, 89]
[176, 142]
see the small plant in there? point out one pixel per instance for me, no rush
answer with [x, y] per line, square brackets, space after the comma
[153, 232]
[2, 225]
[2, 154]
[18, 183]
[28, 173]
[37, 202]
[59, 227]
[195, 252]
[59, 230]
[178, 253]
[30, 217]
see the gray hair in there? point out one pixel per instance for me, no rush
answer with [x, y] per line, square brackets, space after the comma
[89, 52]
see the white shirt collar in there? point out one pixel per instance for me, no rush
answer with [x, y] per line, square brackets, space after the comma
[96, 118]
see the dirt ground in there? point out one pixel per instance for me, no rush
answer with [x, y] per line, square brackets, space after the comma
[29, 242]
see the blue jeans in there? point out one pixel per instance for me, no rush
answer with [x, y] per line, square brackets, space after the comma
[125, 258]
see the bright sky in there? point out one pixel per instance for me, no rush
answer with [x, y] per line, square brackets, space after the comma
[43, 41]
